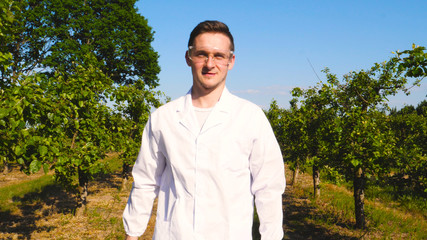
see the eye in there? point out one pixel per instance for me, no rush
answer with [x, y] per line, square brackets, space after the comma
[220, 56]
[200, 54]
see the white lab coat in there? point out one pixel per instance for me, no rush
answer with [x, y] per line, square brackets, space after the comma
[206, 180]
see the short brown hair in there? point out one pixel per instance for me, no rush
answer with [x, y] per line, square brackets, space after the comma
[211, 26]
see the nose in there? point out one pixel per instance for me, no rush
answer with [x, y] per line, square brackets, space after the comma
[210, 62]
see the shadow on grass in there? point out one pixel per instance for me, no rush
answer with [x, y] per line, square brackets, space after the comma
[33, 207]
[296, 221]
[108, 180]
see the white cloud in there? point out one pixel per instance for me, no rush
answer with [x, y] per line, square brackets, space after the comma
[273, 90]
[247, 91]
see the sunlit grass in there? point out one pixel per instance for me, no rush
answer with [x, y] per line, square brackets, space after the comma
[113, 163]
[387, 218]
[9, 195]
[336, 206]
[405, 200]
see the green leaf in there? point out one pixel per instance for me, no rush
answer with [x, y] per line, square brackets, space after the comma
[19, 109]
[45, 168]
[355, 162]
[3, 112]
[42, 150]
[25, 132]
[50, 116]
[35, 166]
[21, 161]
[13, 123]
[55, 150]
[18, 150]
[57, 120]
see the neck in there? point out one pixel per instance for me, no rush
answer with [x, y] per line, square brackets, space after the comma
[206, 98]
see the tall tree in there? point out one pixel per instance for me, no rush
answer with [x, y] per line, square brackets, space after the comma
[365, 143]
[318, 112]
[133, 103]
[290, 131]
[83, 119]
[65, 59]
[52, 35]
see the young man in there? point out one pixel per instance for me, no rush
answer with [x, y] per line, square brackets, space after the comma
[207, 156]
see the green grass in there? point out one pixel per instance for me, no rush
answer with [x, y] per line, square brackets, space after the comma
[336, 206]
[113, 163]
[405, 200]
[42, 208]
[386, 217]
[10, 194]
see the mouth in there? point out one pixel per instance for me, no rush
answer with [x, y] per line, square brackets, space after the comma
[208, 74]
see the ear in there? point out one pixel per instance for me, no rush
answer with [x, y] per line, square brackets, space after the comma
[187, 59]
[231, 64]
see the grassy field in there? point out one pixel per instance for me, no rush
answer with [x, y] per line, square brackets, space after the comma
[34, 207]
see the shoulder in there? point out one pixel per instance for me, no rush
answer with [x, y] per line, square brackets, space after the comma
[249, 116]
[166, 115]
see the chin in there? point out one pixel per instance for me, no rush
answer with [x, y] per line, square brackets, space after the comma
[211, 86]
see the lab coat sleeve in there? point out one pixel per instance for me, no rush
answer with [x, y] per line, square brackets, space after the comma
[147, 173]
[268, 181]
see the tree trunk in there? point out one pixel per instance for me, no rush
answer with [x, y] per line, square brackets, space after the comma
[83, 184]
[359, 198]
[5, 168]
[125, 175]
[295, 175]
[316, 181]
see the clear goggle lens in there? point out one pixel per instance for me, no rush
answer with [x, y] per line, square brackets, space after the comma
[202, 55]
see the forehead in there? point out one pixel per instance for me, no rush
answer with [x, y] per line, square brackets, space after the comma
[212, 40]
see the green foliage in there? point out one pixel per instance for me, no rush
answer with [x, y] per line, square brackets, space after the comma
[316, 116]
[23, 128]
[77, 81]
[86, 116]
[332, 175]
[415, 63]
[366, 140]
[409, 167]
[133, 103]
[6, 36]
[53, 35]
[343, 126]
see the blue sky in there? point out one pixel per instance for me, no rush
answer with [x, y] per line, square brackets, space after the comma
[277, 40]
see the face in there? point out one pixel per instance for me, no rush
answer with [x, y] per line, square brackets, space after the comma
[210, 74]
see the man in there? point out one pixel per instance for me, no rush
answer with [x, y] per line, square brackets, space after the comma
[207, 156]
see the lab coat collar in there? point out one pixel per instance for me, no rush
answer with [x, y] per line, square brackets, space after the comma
[219, 114]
